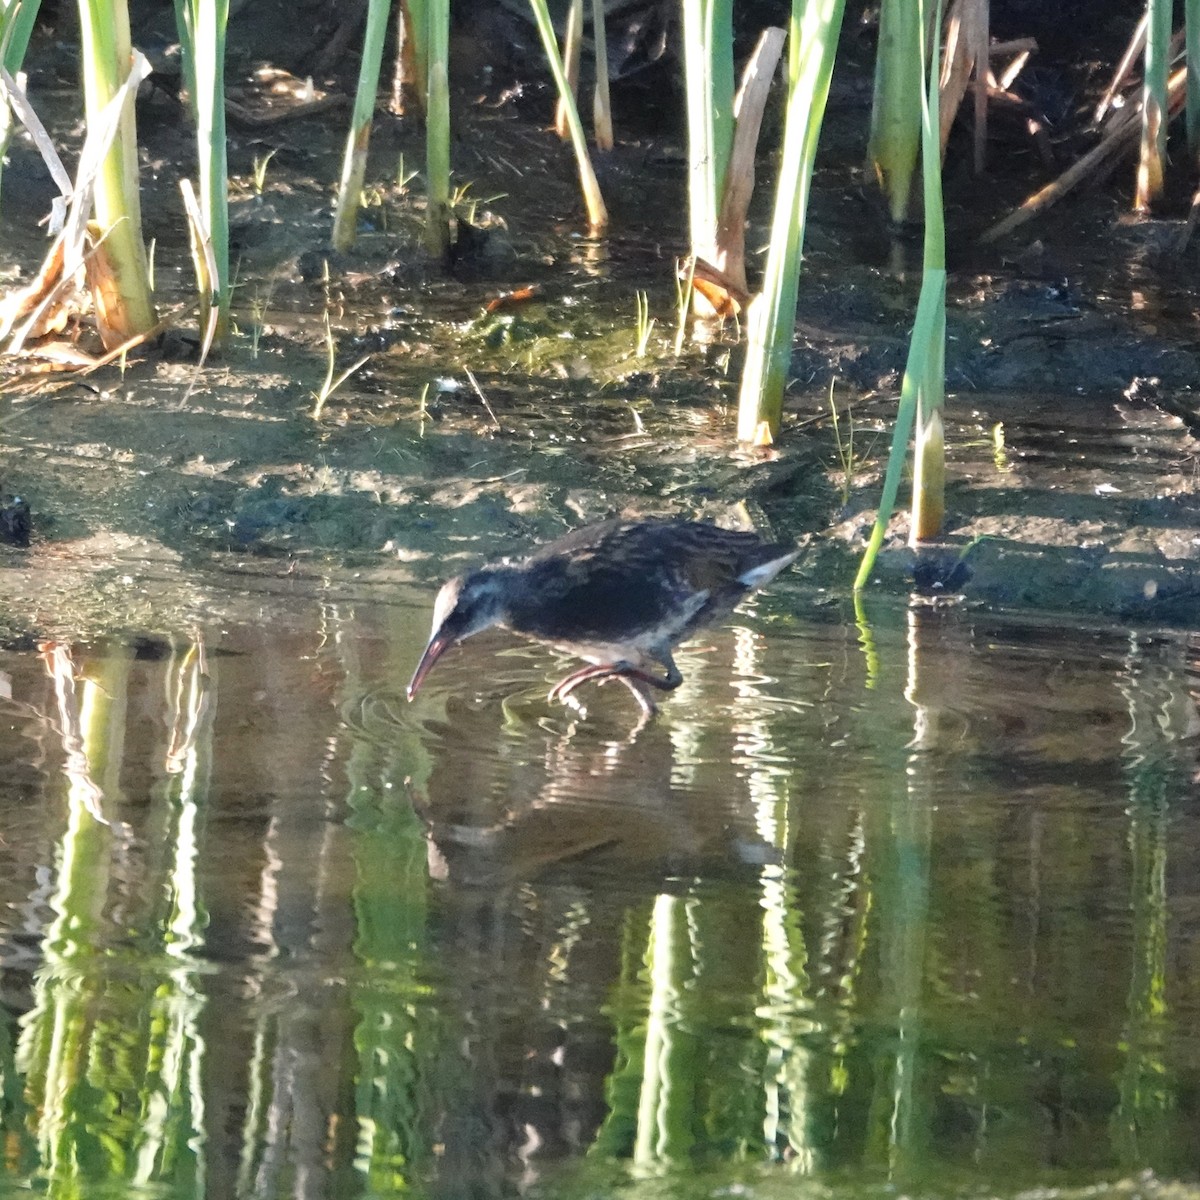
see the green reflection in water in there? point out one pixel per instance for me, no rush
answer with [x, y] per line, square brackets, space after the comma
[949, 967]
[930, 1057]
[398, 1036]
[1146, 1083]
[110, 1049]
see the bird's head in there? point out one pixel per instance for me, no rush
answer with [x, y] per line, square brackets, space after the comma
[464, 606]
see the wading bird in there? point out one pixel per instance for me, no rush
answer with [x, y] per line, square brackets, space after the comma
[621, 595]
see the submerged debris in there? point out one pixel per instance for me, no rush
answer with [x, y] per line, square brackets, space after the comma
[15, 520]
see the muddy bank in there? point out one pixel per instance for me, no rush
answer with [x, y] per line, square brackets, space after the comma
[1071, 365]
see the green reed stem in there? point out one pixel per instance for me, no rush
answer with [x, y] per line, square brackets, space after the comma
[1191, 33]
[589, 184]
[354, 163]
[1153, 156]
[602, 123]
[105, 61]
[709, 83]
[815, 26]
[437, 128]
[202, 25]
[896, 110]
[923, 389]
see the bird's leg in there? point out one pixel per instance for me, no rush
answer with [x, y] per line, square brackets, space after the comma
[564, 687]
[564, 690]
[635, 681]
[626, 672]
[634, 678]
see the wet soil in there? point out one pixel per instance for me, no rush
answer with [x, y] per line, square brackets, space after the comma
[168, 494]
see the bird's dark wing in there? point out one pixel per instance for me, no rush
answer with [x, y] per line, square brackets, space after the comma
[707, 557]
[718, 567]
[593, 599]
[617, 579]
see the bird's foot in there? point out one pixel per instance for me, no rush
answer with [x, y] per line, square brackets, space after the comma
[648, 707]
[634, 678]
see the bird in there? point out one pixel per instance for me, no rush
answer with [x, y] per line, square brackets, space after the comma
[621, 595]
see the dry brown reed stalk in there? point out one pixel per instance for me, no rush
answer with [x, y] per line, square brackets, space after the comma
[572, 47]
[965, 63]
[408, 74]
[602, 125]
[1122, 135]
[748, 107]
[57, 296]
[1137, 43]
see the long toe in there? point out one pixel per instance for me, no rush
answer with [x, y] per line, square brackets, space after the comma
[648, 707]
[565, 686]
[636, 680]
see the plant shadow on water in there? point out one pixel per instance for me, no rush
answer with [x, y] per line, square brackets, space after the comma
[910, 907]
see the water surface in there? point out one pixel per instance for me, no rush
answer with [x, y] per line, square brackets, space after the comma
[906, 906]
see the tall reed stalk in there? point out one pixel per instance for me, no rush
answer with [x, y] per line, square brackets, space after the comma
[814, 26]
[602, 123]
[437, 127]
[572, 52]
[589, 184]
[1153, 156]
[120, 267]
[748, 107]
[354, 163]
[16, 26]
[409, 72]
[709, 88]
[1191, 35]
[923, 389]
[896, 111]
[202, 25]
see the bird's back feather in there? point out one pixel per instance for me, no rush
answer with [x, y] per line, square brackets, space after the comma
[648, 578]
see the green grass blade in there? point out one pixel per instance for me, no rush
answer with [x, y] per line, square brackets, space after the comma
[17, 18]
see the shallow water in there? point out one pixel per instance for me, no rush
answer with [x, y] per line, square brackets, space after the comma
[905, 905]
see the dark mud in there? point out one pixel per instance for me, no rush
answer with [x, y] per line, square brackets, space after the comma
[166, 496]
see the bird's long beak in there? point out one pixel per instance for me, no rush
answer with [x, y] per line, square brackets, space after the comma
[438, 645]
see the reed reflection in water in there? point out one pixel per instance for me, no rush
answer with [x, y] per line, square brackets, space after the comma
[906, 905]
